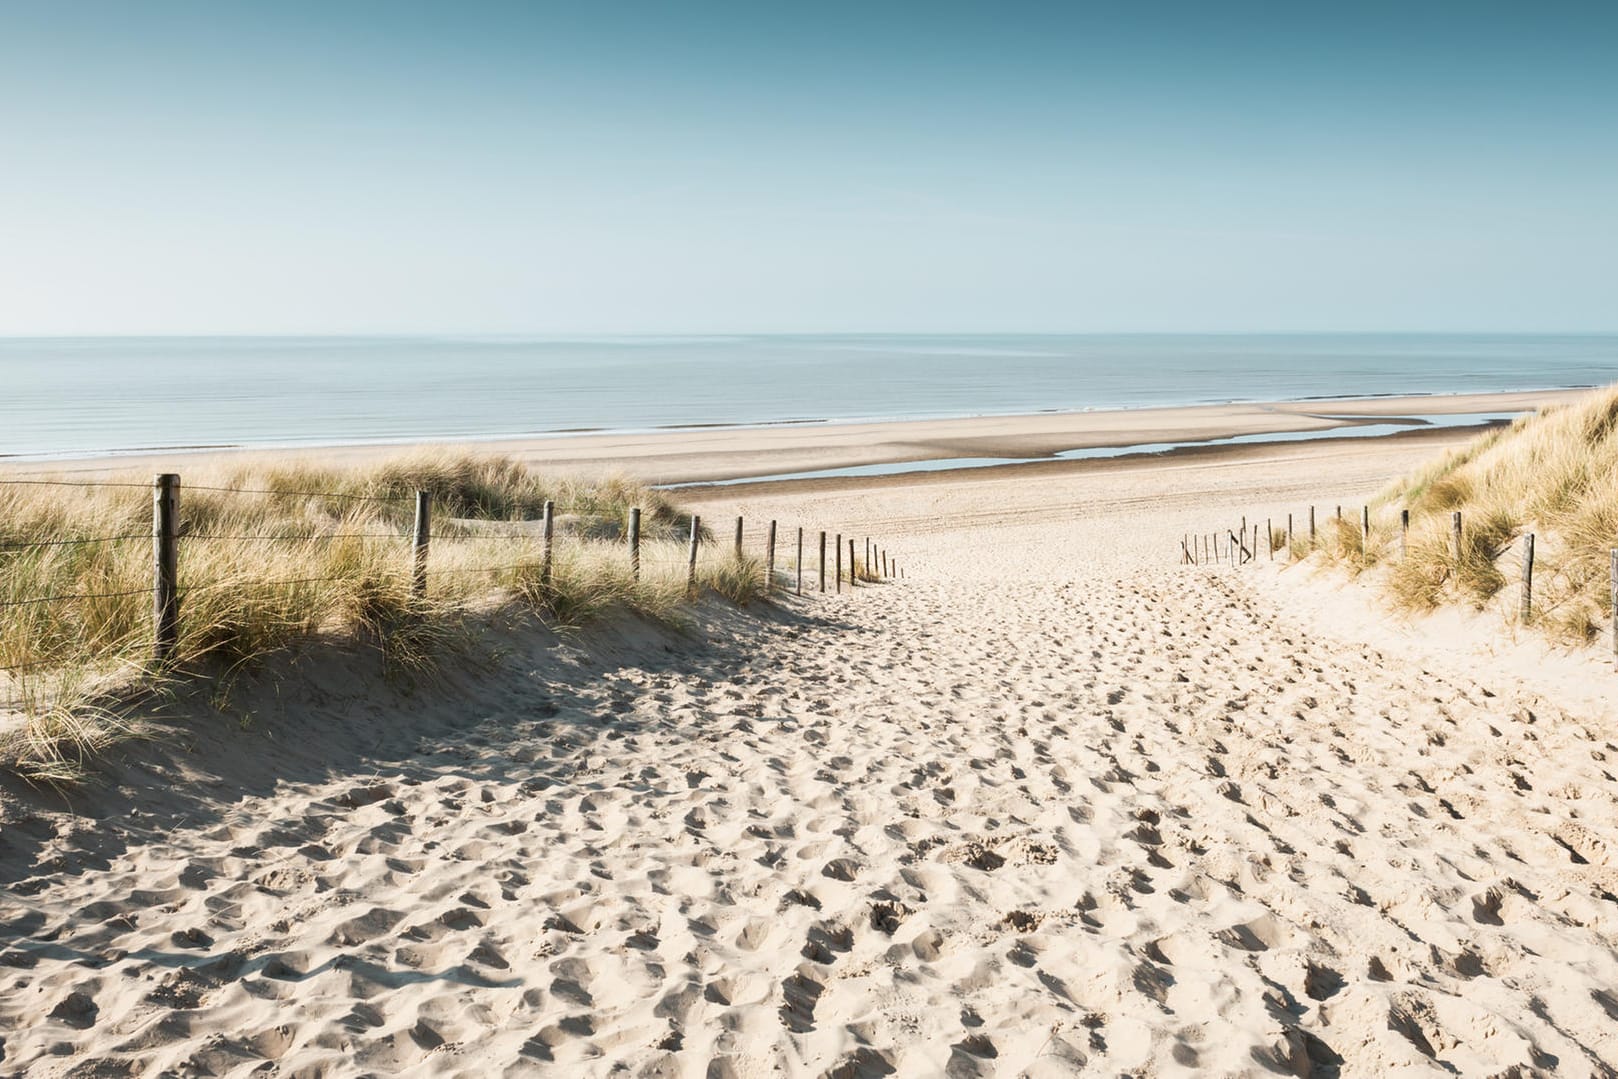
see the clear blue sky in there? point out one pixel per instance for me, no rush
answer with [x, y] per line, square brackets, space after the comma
[506, 168]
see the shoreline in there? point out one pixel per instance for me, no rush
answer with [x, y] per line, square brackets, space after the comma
[695, 455]
[139, 452]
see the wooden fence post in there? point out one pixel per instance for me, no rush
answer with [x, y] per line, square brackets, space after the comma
[1289, 535]
[822, 576]
[853, 571]
[1404, 533]
[1528, 577]
[800, 560]
[550, 536]
[769, 561]
[838, 547]
[418, 546]
[1269, 536]
[1311, 528]
[1613, 600]
[1455, 526]
[738, 539]
[634, 542]
[691, 558]
[165, 562]
[1365, 528]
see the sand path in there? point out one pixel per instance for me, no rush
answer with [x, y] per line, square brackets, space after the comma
[1075, 818]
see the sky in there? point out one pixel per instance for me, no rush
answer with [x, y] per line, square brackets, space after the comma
[529, 168]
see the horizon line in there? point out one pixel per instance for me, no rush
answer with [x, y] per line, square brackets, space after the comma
[563, 335]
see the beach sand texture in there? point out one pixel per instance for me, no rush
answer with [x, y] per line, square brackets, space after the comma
[1053, 805]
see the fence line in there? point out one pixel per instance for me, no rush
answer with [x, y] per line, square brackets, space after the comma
[168, 535]
[1202, 549]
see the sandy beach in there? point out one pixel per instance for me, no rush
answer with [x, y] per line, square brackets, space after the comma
[1054, 804]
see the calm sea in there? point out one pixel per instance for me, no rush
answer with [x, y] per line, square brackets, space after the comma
[63, 396]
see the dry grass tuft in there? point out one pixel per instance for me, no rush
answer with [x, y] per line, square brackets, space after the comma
[309, 553]
[1554, 474]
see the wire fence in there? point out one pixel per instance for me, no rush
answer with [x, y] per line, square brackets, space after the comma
[1360, 542]
[794, 560]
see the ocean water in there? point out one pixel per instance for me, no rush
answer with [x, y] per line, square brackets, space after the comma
[68, 396]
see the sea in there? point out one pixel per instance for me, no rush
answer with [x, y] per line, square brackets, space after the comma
[65, 397]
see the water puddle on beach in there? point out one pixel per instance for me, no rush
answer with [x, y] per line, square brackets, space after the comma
[1382, 428]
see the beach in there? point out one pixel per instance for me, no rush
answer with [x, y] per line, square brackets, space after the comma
[1053, 803]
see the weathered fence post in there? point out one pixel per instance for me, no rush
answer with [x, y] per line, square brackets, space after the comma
[634, 542]
[853, 570]
[1528, 577]
[1269, 536]
[418, 546]
[550, 536]
[1404, 533]
[1613, 601]
[769, 561]
[838, 547]
[800, 560]
[822, 577]
[165, 562]
[1365, 528]
[691, 558]
[1311, 528]
[738, 539]
[1455, 526]
[1289, 535]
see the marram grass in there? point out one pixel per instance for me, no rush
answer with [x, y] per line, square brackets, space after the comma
[1554, 473]
[312, 553]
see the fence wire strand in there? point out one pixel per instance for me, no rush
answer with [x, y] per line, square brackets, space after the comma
[73, 483]
[72, 542]
[294, 536]
[293, 494]
[73, 596]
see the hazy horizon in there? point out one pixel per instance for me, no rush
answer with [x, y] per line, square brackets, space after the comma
[187, 169]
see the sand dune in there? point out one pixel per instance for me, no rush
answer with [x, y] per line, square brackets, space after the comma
[1054, 805]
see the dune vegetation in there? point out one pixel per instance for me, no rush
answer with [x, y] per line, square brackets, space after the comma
[1553, 474]
[273, 556]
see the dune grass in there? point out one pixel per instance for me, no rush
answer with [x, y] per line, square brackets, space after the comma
[305, 554]
[1554, 474]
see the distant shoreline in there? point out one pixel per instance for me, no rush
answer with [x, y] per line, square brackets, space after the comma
[728, 453]
[86, 399]
[74, 457]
